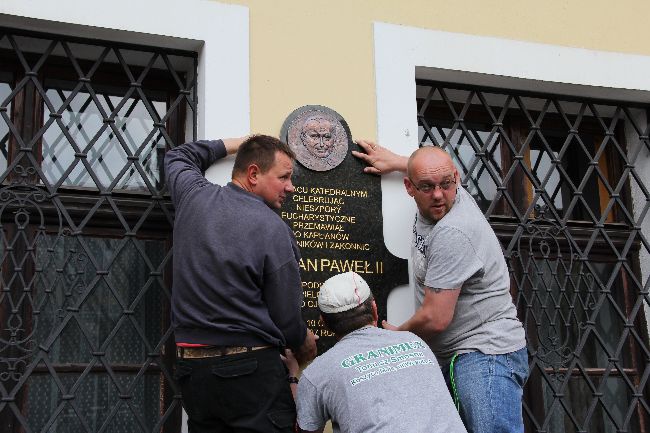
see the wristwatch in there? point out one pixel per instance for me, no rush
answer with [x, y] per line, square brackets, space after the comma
[292, 379]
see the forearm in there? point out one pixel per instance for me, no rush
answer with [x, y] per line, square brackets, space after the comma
[294, 389]
[379, 159]
[293, 371]
[201, 154]
[435, 314]
[186, 164]
[398, 163]
[198, 155]
[232, 144]
[422, 324]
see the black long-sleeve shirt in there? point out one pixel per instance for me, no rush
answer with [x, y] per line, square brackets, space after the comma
[236, 279]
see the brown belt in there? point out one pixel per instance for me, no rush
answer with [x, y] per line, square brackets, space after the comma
[212, 351]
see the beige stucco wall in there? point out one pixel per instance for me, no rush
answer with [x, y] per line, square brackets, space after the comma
[321, 51]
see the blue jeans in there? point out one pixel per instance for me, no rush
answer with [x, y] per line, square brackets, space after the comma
[490, 388]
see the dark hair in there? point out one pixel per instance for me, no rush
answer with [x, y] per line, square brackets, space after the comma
[259, 150]
[347, 321]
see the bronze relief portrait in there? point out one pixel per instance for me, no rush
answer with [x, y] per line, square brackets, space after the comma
[318, 139]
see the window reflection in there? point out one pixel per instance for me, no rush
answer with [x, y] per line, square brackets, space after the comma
[473, 170]
[563, 172]
[107, 163]
[547, 175]
[5, 91]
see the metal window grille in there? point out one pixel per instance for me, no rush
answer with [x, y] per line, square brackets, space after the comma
[85, 239]
[564, 182]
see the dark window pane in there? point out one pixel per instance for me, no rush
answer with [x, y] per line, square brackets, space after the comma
[103, 278]
[96, 401]
[570, 405]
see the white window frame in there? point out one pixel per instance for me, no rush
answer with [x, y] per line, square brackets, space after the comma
[218, 32]
[403, 54]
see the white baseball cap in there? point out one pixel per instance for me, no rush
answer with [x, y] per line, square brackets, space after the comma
[342, 292]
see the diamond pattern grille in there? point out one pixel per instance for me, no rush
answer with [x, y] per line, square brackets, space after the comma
[85, 223]
[564, 182]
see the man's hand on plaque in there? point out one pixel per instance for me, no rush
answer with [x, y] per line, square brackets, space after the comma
[379, 159]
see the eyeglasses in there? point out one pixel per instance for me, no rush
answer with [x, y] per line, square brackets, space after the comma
[428, 187]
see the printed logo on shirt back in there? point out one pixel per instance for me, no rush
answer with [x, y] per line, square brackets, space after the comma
[387, 359]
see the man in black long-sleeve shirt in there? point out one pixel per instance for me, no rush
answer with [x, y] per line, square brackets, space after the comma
[236, 293]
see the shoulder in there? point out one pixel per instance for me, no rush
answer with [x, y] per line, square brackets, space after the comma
[465, 208]
[399, 336]
[451, 234]
[253, 213]
[267, 223]
[254, 208]
[319, 367]
[465, 217]
[275, 225]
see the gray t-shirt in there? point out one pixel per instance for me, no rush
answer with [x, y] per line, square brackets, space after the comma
[462, 250]
[375, 380]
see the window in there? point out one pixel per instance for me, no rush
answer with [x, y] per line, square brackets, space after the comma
[556, 178]
[85, 341]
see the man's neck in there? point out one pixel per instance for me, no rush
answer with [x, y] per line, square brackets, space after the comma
[243, 185]
[369, 325]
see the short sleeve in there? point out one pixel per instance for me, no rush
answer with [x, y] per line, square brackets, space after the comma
[451, 259]
[309, 406]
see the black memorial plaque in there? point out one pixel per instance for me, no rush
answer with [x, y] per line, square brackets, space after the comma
[335, 213]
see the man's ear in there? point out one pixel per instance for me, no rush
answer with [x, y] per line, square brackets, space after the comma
[375, 315]
[410, 188]
[252, 174]
[320, 316]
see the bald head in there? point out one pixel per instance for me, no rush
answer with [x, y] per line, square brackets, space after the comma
[431, 159]
[431, 179]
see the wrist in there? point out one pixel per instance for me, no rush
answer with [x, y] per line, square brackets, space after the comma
[292, 379]
[399, 163]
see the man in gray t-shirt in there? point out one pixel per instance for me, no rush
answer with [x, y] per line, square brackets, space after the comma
[372, 379]
[464, 307]
[462, 251]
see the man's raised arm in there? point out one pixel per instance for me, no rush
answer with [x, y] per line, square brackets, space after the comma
[379, 159]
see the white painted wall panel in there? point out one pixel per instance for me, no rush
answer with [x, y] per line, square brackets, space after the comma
[404, 53]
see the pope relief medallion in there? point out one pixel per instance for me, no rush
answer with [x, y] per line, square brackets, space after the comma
[317, 137]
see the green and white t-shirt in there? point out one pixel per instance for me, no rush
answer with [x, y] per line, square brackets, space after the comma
[375, 380]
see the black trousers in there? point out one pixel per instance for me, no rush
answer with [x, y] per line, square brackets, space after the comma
[240, 393]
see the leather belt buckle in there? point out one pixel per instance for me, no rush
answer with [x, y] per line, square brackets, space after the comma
[213, 351]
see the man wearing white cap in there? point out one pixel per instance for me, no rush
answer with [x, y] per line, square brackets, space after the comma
[372, 379]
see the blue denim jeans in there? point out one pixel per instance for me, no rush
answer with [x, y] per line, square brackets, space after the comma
[490, 388]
